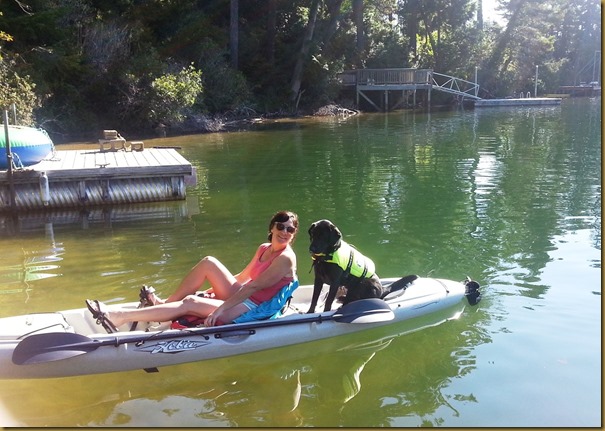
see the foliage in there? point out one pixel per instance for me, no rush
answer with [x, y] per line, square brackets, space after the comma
[172, 94]
[83, 66]
[17, 90]
[225, 89]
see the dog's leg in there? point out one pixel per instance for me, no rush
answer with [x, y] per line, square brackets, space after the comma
[332, 295]
[317, 286]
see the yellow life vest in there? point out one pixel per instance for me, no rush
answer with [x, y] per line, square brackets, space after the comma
[352, 261]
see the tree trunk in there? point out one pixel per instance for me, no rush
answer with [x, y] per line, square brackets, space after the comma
[411, 18]
[234, 33]
[333, 7]
[304, 51]
[271, 31]
[494, 64]
[358, 16]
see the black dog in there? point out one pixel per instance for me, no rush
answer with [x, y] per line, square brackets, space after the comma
[337, 264]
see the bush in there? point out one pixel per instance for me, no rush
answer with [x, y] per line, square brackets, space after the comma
[225, 88]
[172, 94]
[18, 90]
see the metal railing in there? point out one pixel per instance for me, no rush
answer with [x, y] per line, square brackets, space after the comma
[420, 77]
[386, 77]
[454, 85]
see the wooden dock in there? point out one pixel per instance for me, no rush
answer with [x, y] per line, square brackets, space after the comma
[84, 178]
[526, 101]
[394, 88]
[585, 90]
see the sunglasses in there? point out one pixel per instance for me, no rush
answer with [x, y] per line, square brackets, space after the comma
[281, 226]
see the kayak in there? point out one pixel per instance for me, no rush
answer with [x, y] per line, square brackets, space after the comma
[70, 343]
[29, 145]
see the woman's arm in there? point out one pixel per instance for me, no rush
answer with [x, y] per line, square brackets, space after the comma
[283, 266]
[244, 276]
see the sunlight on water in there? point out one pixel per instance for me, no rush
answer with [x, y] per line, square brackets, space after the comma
[510, 197]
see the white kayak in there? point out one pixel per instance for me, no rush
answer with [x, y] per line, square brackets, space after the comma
[70, 343]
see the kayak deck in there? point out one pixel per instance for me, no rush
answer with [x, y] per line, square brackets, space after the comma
[73, 344]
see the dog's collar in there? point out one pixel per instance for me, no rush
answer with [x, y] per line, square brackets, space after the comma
[320, 256]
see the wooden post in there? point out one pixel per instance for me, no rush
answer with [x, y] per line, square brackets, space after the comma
[9, 161]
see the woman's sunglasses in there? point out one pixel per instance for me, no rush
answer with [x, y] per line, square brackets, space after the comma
[281, 226]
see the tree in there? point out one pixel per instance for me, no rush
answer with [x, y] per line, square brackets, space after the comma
[90, 64]
[234, 33]
[17, 90]
[173, 93]
[304, 51]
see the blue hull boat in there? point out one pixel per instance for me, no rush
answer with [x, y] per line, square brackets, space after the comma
[29, 145]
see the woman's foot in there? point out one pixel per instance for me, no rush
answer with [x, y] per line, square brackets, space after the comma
[99, 312]
[148, 296]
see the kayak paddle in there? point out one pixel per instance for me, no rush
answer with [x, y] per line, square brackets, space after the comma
[55, 346]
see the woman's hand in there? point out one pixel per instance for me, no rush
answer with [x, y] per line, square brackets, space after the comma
[212, 318]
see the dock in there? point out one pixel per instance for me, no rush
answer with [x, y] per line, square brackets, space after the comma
[393, 88]
[584, 90]
[527, 101]
[90, 177]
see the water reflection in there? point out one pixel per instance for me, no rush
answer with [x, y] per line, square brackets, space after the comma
[22, 266]
[34, 222]
[315, 384]
[510, 197]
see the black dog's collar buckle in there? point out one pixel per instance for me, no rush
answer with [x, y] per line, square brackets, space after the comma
[318, 256]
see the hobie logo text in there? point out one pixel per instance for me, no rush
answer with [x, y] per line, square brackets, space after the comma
[172, 346]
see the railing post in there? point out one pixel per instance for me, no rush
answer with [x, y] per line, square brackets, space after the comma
[536, 83]
[9, 160]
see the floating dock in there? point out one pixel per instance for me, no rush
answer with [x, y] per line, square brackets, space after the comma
[527, 101]
[86, 178]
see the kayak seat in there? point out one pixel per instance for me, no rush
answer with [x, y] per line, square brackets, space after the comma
[271, 309]
[397, 288]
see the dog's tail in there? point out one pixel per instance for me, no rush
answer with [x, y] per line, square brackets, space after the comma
[400, 284]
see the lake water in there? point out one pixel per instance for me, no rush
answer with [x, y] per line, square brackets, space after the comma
[508, 196]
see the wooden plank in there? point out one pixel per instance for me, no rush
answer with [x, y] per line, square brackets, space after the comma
[121, 160]
[77, 165]
[68, 159]
[173, 154]
[148, 156]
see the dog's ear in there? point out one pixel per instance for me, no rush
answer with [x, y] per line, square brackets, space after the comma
[335, 235]
[311, 228]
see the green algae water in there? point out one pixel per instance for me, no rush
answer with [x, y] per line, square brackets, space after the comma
[508, 196]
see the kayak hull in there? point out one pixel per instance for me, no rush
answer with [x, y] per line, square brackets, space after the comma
[154, 345]
[29, 145]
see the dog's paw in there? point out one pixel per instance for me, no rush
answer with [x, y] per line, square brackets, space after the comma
[341, 294]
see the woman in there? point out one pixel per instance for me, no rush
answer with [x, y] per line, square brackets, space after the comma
[272, 267]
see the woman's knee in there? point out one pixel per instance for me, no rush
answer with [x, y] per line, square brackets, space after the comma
[196, 305]
[208, 265]
[190, 301]
[209, 261]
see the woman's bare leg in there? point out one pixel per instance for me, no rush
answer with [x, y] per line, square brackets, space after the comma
[192, 305]
[168, 311]
[211, 269]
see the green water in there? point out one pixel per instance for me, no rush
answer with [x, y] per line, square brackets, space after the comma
[509, 196]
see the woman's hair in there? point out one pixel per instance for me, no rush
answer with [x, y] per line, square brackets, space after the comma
[282, 217]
